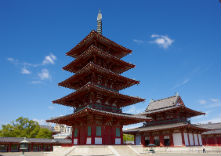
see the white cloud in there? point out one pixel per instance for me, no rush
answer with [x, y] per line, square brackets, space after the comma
[25, 71]
[138, 41]
[133, 110]
[44, 74]
[36, 82]
[50, 107]
[162, 40]
[40, 121]
[181, 83]
[202, 101]
[49, 59]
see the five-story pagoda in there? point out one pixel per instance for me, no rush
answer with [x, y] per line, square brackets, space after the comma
[98, 117]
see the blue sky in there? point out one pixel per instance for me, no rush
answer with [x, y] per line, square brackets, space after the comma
[176, 48]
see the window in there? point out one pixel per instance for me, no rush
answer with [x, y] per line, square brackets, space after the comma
[117, 132]
[76, 132]
[89, 131]
[157, 141]
[98, 131]
[147, 141]
[166, 141]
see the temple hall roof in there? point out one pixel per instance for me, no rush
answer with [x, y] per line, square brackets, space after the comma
[34, 140]
[215, 128]
[162, 103]
[163, 127]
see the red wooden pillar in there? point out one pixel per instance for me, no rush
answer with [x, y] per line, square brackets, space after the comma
[171, 139]
[198, 139]
[151, 139]
[72, 137]
[9, 147]
[121, 135]
[188, 139]
[161, 140]
[142, 139]
[183, 141]
[134, 139]
[103, 134]
[93, 133]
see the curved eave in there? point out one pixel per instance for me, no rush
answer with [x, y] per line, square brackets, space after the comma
[93, 50]
[173, 108]
[92, 68]
[86, 111]
[164, 127]
[93, 35]
[90, 87]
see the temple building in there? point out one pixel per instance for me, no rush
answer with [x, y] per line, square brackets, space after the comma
[213, 136]
[97, 102]
[170, 125]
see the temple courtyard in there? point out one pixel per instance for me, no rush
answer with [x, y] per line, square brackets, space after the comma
[121, 150]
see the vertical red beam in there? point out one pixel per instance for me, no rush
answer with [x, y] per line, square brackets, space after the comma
[93, 133]
[187, 133]
[183, 141]
[103, 134]
[198, 139]
[9, 147]
[171, 139]
[161, 140]
[142, 139]
[72, 136]
[121, 135]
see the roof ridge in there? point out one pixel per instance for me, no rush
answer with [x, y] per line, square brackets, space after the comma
[165, 98]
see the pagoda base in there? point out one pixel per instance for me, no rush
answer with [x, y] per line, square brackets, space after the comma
[97, 135]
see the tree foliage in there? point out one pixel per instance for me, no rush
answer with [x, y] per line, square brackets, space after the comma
[128, 137]
[23, 127]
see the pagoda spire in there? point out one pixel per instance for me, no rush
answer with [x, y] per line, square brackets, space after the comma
[99, 22]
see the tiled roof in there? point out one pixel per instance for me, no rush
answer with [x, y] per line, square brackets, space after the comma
[215, 128]
[162, 127]
[34, 140]
[162, 103]
[129, 117]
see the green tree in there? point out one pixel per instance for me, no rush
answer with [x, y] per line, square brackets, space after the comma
[23, 127]
[44, 133]
[128, 137]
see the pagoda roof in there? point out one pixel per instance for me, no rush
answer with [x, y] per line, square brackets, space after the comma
[170, 126]
[215, 128]
[73, 98]
[92, 37]
[121, 66]
[71, 118]
[73, 81]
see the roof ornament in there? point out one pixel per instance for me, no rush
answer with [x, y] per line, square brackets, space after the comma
[177, 94]
[99, 22]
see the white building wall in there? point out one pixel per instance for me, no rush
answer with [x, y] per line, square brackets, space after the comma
[75, 141]
[88, 140]
[200, 139]
[117, 141]
[177, 139]
[138, 139]
[186, 139]
[98, 141]
[196, 139]
[191, 139]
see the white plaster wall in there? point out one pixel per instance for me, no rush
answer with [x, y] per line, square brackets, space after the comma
[186, 139]
[196, 139]
[117, 141]
[200, 139]
[191, 139]
[177, 139]
[98, 141]
[88, 140]
[75, 141]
